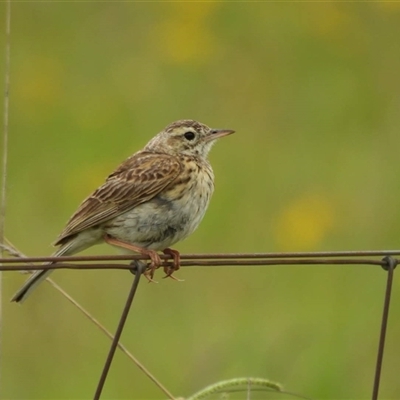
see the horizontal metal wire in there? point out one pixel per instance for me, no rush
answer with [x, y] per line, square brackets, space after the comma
[316, 254]
[209, 259]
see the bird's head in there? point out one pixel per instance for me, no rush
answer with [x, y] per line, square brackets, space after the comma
[186, 137]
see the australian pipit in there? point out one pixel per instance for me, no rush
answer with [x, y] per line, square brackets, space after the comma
[154, 199]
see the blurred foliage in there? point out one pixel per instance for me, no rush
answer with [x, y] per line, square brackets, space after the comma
[313, 91]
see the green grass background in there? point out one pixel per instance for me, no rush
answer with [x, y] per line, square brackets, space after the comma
[313, 92]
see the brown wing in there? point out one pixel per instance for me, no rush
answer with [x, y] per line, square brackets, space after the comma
[137, 180]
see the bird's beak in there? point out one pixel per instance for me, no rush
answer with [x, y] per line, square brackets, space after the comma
[218, 133]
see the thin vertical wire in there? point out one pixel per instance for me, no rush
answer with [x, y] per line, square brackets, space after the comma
[139, 270]
[5, 152]
[391, 264]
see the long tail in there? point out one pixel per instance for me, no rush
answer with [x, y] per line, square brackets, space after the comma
[38, 276]
[34, 280]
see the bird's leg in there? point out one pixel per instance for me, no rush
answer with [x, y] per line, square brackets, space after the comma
[177, 263]
[155, 260]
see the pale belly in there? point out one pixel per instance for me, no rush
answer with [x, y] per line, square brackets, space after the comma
[164, 220]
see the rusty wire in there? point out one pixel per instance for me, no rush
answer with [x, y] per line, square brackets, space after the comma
[211, 259]
[140, 269]
[390, 265]
[383, 258]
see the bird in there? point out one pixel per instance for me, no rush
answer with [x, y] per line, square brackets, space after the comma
[154, 199]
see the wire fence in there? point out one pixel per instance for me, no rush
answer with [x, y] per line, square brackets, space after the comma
[383, 258]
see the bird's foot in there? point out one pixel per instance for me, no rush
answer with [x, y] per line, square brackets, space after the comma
[155, 260]
[177, 264]
[154, 264]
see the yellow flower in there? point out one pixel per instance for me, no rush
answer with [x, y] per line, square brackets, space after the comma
[303, 224]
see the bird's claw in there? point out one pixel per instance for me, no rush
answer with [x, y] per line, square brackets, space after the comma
[177, 263]
[169, 275]
[154, 264]
[149, 273]
[155, 260]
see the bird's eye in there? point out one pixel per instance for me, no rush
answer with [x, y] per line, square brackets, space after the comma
[189, 135]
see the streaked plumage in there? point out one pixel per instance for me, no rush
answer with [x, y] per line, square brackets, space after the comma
[154, 199]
